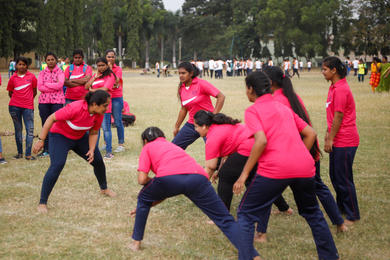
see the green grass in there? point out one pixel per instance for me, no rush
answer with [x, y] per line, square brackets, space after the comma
[82, 224]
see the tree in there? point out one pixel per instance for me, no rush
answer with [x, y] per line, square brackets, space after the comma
[107, 39]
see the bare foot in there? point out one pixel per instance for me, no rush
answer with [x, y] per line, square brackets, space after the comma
[342, 228]
[260, 237]
[350, 222]
[108, 193]
[42, 208]
[287, 212]
[135, 245]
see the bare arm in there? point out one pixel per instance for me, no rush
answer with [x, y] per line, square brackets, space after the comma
[337, 120]
[220, 101]
[180, 119]
[44, 132]
[309, 136]
[93, 137]
[143, 178]
[257, 150]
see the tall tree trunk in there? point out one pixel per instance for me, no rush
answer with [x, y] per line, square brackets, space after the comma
[195, 56]
[146, 54]
[162, 51]
[180, 50]
[174, 53]
[120, 46]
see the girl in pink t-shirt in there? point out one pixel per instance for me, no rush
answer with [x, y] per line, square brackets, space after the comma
[342, 138]
[105, 80]
[177, 173]
[50, 84]
[68, 131]
[194, 95]
[22, 88]
[283, 160]
[284, 93]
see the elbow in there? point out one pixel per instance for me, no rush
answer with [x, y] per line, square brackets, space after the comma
[142, 181]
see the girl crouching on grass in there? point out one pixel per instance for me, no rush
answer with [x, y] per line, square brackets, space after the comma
[68, 131]
[176, 173]
[342, 138]
[283, 160]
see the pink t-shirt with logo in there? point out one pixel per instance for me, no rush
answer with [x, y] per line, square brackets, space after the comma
[74, 120]
[285, 155]
[197, 97]
[22, 88]
[78, 92]
[165, 158]
[106, 82]
[117, 91]
[340, 99]
[223, 140]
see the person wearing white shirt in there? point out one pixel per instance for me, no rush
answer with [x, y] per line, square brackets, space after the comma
[258, 65]
[309, 65]
[157, 66]
[206, 68]
[270, 62]
[249, 66]
[211, 67]
[301, 66]
[218, 69]
[199, 65]
[355, 63]
[286, 67]
[295, 67]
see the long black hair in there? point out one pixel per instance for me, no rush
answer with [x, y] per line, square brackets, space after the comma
[99, 97]
[276, 75]
[151, 133]
[260, 83]
[189, 67]
[207, 118]
[108, 71]
[333, 62]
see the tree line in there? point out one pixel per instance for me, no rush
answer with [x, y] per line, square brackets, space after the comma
[144, 31]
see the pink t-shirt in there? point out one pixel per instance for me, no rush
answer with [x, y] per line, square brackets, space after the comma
[197, 97]
[74, 120]
[118, 92]
[165, 158]
[223, 140]
[285, 155]
[22, 88]
[50, 84]
[78, 92]
[106, 82]
[340, 99]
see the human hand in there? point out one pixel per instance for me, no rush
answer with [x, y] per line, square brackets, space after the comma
[90, 155]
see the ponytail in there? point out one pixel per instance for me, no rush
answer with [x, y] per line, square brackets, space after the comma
[277, 77]
[99, 97]
[333, 62]
[207, 118]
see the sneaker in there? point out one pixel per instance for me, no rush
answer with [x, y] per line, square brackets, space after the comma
[43, 154]
[108, 156]
[119, 149]
[32, 158]
[3, 161]
[18, 156]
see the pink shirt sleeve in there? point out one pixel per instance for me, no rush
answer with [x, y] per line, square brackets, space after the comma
[34, 81]
[88, 71]
[208, 89]
[11, 86]
[109, 82]
[144, 162]
[340, 100]
[213, 145]
[59, 84]
[300, 123]
[252, 122]
[98, 122]
[67, 72]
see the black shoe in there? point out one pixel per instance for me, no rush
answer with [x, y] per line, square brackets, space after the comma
[18, 156]
[32, 158]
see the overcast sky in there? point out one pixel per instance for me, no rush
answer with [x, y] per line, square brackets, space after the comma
[173, 5]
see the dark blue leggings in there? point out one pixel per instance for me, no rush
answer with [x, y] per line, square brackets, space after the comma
[59, 147]
[257, 201]
[186, 136]
[198, 189]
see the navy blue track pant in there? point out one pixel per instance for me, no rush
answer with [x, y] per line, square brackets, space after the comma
[186, 136]
[341, 175]
[198, 189]
[59, 147]
[257, 201]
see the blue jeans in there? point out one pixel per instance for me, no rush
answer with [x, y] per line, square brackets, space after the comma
[1, 148]
[106, 125]
[198, 189]
[59, 147]
[257, 201]
[341, 175]
[27, 115]
[117, 106]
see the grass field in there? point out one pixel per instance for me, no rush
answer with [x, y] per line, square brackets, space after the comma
[82, 224]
